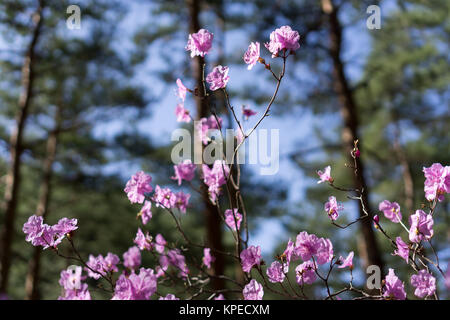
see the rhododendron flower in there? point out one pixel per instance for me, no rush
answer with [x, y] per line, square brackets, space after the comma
[283, 38]
[253, 291]
[144, 242]
[182, 114]
[79, 294]
[136, 286]
[177, 260]
[247, 112]
[181, 90]
[182, 201]
[184, 171]
[65, 226]
[33, 228]
[137, 186]
[391, 210]
[111, 262]
[160, 243]
[132, 258]
[347, 262]
[324, 252]
[207, 257]
[164, 197]
[251, 56]
[305, 273]
[218, 78]
[215, 177]
[275, 272]
[169, 296]
[437, 181]
[250, 257]
[424, 283]
[219, 297]
[71, 278]
[332, 208]
[402, 249]
[421, 226]
[325, 175]
[288, 255]
[230, 219]
[164, 263]
[393, 287]
[204, 125]
[307, 246]
[99, 266]
[199, 43]
[40, 234]
[146, 212]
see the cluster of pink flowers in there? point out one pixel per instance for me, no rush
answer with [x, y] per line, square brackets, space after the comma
[136, 286]
[250, 257]
[393, 287]
[184, 171]
[437, 181]
[215, 177]
[138, 186]
[73, 287]
[100, 266]
[253, 291]
[421, 226]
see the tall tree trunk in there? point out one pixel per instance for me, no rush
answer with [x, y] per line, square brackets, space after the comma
[368, 246]
[213, 220]
[32, 279]
[13, 175]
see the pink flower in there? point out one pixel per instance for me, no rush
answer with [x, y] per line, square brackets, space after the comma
[146, 212]
[306, 245]
[132, 258]
[402, 249]
[169, 296]
[288, 255]
[253, 291]
[65, 226]
[97, 267]
[275, 272]
[144, 242]
[332, 208]
[164, 197]
[421, 226]
[204, 125]
[177, 260]
[424, 283]
[207, 257]
[182, 201]
[71, 278]
[325, 175]
[136, 286]
[324, 251]
[111, 261]
[305, 273]
[230, 219]
[184, 171]
[283, 38]
[391, 210]
[218, 78]
[347, 262]
[251, 57]
[437, 182]
[199, 43]
[79, 294]
[181, 90]
[160, 243]
[250, 257]
[216, 177]
[247, 112]
[137, 186]
[393, 288]
[182, 114]
[376, 221]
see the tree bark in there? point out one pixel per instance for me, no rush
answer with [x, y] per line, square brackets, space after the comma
[368, 246]
[16, 147]
[213, 220]
[32, 279]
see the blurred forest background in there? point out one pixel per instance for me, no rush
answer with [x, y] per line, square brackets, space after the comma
[83, 110]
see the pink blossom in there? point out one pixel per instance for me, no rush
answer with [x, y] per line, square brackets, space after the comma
[347, 262]
[33, 228]
[324, 252]
[219, 297]
[230, 219]
[275, 272]
[184, 171]
[164, 197]
[181, 90]
[65, 226]
[305, 273]
[437, 181]
[40, 234]
[79, 294]
[421, 226]
[182, 201]
[424, 283]
[182, 114]
[169, 296]
[203, 126]
[283, 38]
[199, 43]
[218, 78]
[136, 286]
[306, 245]
[402, 249]
[250, 257]
[251, 56]
[132, 258]
[137, 186]
[96, 267]
[177, 260]
[71, 278]
[393, 287]
[247, 112]
[391, 210]
[146, 212]
[144, 242]
[376, 221]
[111, 261]
[332, 208]
[253, 291]
[325, 175]
[160, 243]
[288, 255]
[207, 257]
[215, 177]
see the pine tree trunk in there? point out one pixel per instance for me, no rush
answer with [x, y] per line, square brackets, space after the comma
[32, 279]
[213, 221]
[13, 174]
[368, 246]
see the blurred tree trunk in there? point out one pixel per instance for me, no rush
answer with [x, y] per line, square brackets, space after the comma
[213, 220]
[32, 279]
[368, 246]
[16, 148]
